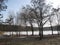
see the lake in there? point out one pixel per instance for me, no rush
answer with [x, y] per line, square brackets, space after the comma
[30, 33]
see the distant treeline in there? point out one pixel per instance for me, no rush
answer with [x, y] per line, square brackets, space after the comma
[22, 28]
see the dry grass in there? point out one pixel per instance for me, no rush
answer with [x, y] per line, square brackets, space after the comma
[31, 41]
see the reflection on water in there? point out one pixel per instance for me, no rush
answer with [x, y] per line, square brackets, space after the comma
[30, 32]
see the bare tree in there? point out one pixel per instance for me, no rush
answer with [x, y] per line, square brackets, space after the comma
[24, 18]
[31, 20]
[50, 20]
[3, 7]
[57, 13]
[10, 20]
[41, 11]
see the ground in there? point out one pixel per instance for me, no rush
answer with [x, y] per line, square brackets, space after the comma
[53, 40]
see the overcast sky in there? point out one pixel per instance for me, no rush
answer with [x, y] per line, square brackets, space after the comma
[56, 3]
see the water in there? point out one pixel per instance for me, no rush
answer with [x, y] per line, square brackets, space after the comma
[30, 33]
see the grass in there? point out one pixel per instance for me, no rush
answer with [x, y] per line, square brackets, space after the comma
[31, 41]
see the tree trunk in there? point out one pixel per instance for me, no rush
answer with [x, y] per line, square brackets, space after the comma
[41, 31]
[26, 28]
[52, 29]
[58, 25]
[41, 25]
[16, 34]
[19, 33]
[58, 29]
[32, 29]
[51, 26]
[12, 34]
